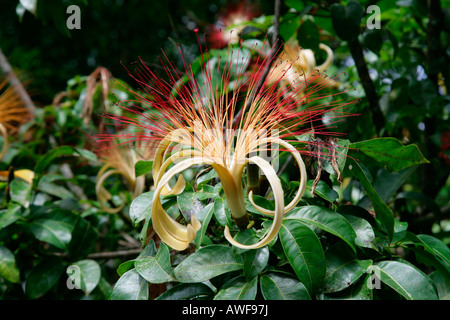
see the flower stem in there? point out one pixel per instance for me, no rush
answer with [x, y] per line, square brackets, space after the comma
[253, 178]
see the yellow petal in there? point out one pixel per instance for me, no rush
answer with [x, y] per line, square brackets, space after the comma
[172, 233]
[103, 195]
[301, 187]
[275, 184]
[25, 174]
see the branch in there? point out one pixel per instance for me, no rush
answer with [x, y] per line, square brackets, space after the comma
[356, 51]
[15, 83]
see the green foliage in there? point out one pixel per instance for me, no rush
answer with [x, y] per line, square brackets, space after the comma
[376, 228]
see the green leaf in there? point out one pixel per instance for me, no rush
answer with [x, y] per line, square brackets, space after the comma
[405, 279]
[365, 236]
[391, 153]
[221, 212]
[238, 289]
[206, 263]
[155, 269]
[187, 291]
[278, 286]
[189, 204]
[346, 19]
[326, 220]
[141, 207]
[361, 290]
[255, 261]
[10, 215]
[304, 252]
[322, 190]
[143, 167]
[84, 238]
[8, 268]
[343, 269]
[383, 213]
[308, 35]
[52, 231]
[204, 217]
[436, 247]
[19, 191]
[130, 286]
[89, 273]
[44, 276]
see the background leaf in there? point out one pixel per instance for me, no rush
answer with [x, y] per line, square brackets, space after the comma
[391, 153]
[8, 267]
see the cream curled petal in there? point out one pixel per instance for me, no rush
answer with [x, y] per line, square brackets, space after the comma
[181, 183]
[158, 161]
[5, 140]
[103, 195]
[275, 184]
[307, 56]
[301, 187]
[172, 233]
[328, 60]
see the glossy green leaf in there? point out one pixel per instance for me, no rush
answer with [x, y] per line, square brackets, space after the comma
[255, 261]
[322, 190]
[204, 217]
[221, 212]
[83, 240]
[44, 276]
[326, 220]
[383, 213]
[89, 273]
[278, 286]
[346, 19]
[141, 207]
[308, 35]
[405, 279]
[155, 269]
[130, 286]
[361, 290]
[238, 289]
[52, 231]
[143, 167]
[343, 269]
[304, 252]
[10, 215]
[206, 263]
[19, 191]
[8, 267]
[436, 247]
[391, 153]
[365, 236]
[187, 291]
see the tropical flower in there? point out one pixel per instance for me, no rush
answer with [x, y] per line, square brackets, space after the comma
[295, 62]
[228, 26]
[198, 127]
[120, 160]
[12, 113]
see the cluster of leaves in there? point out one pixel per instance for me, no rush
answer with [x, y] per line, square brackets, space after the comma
[49, 227]
[370, 237]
